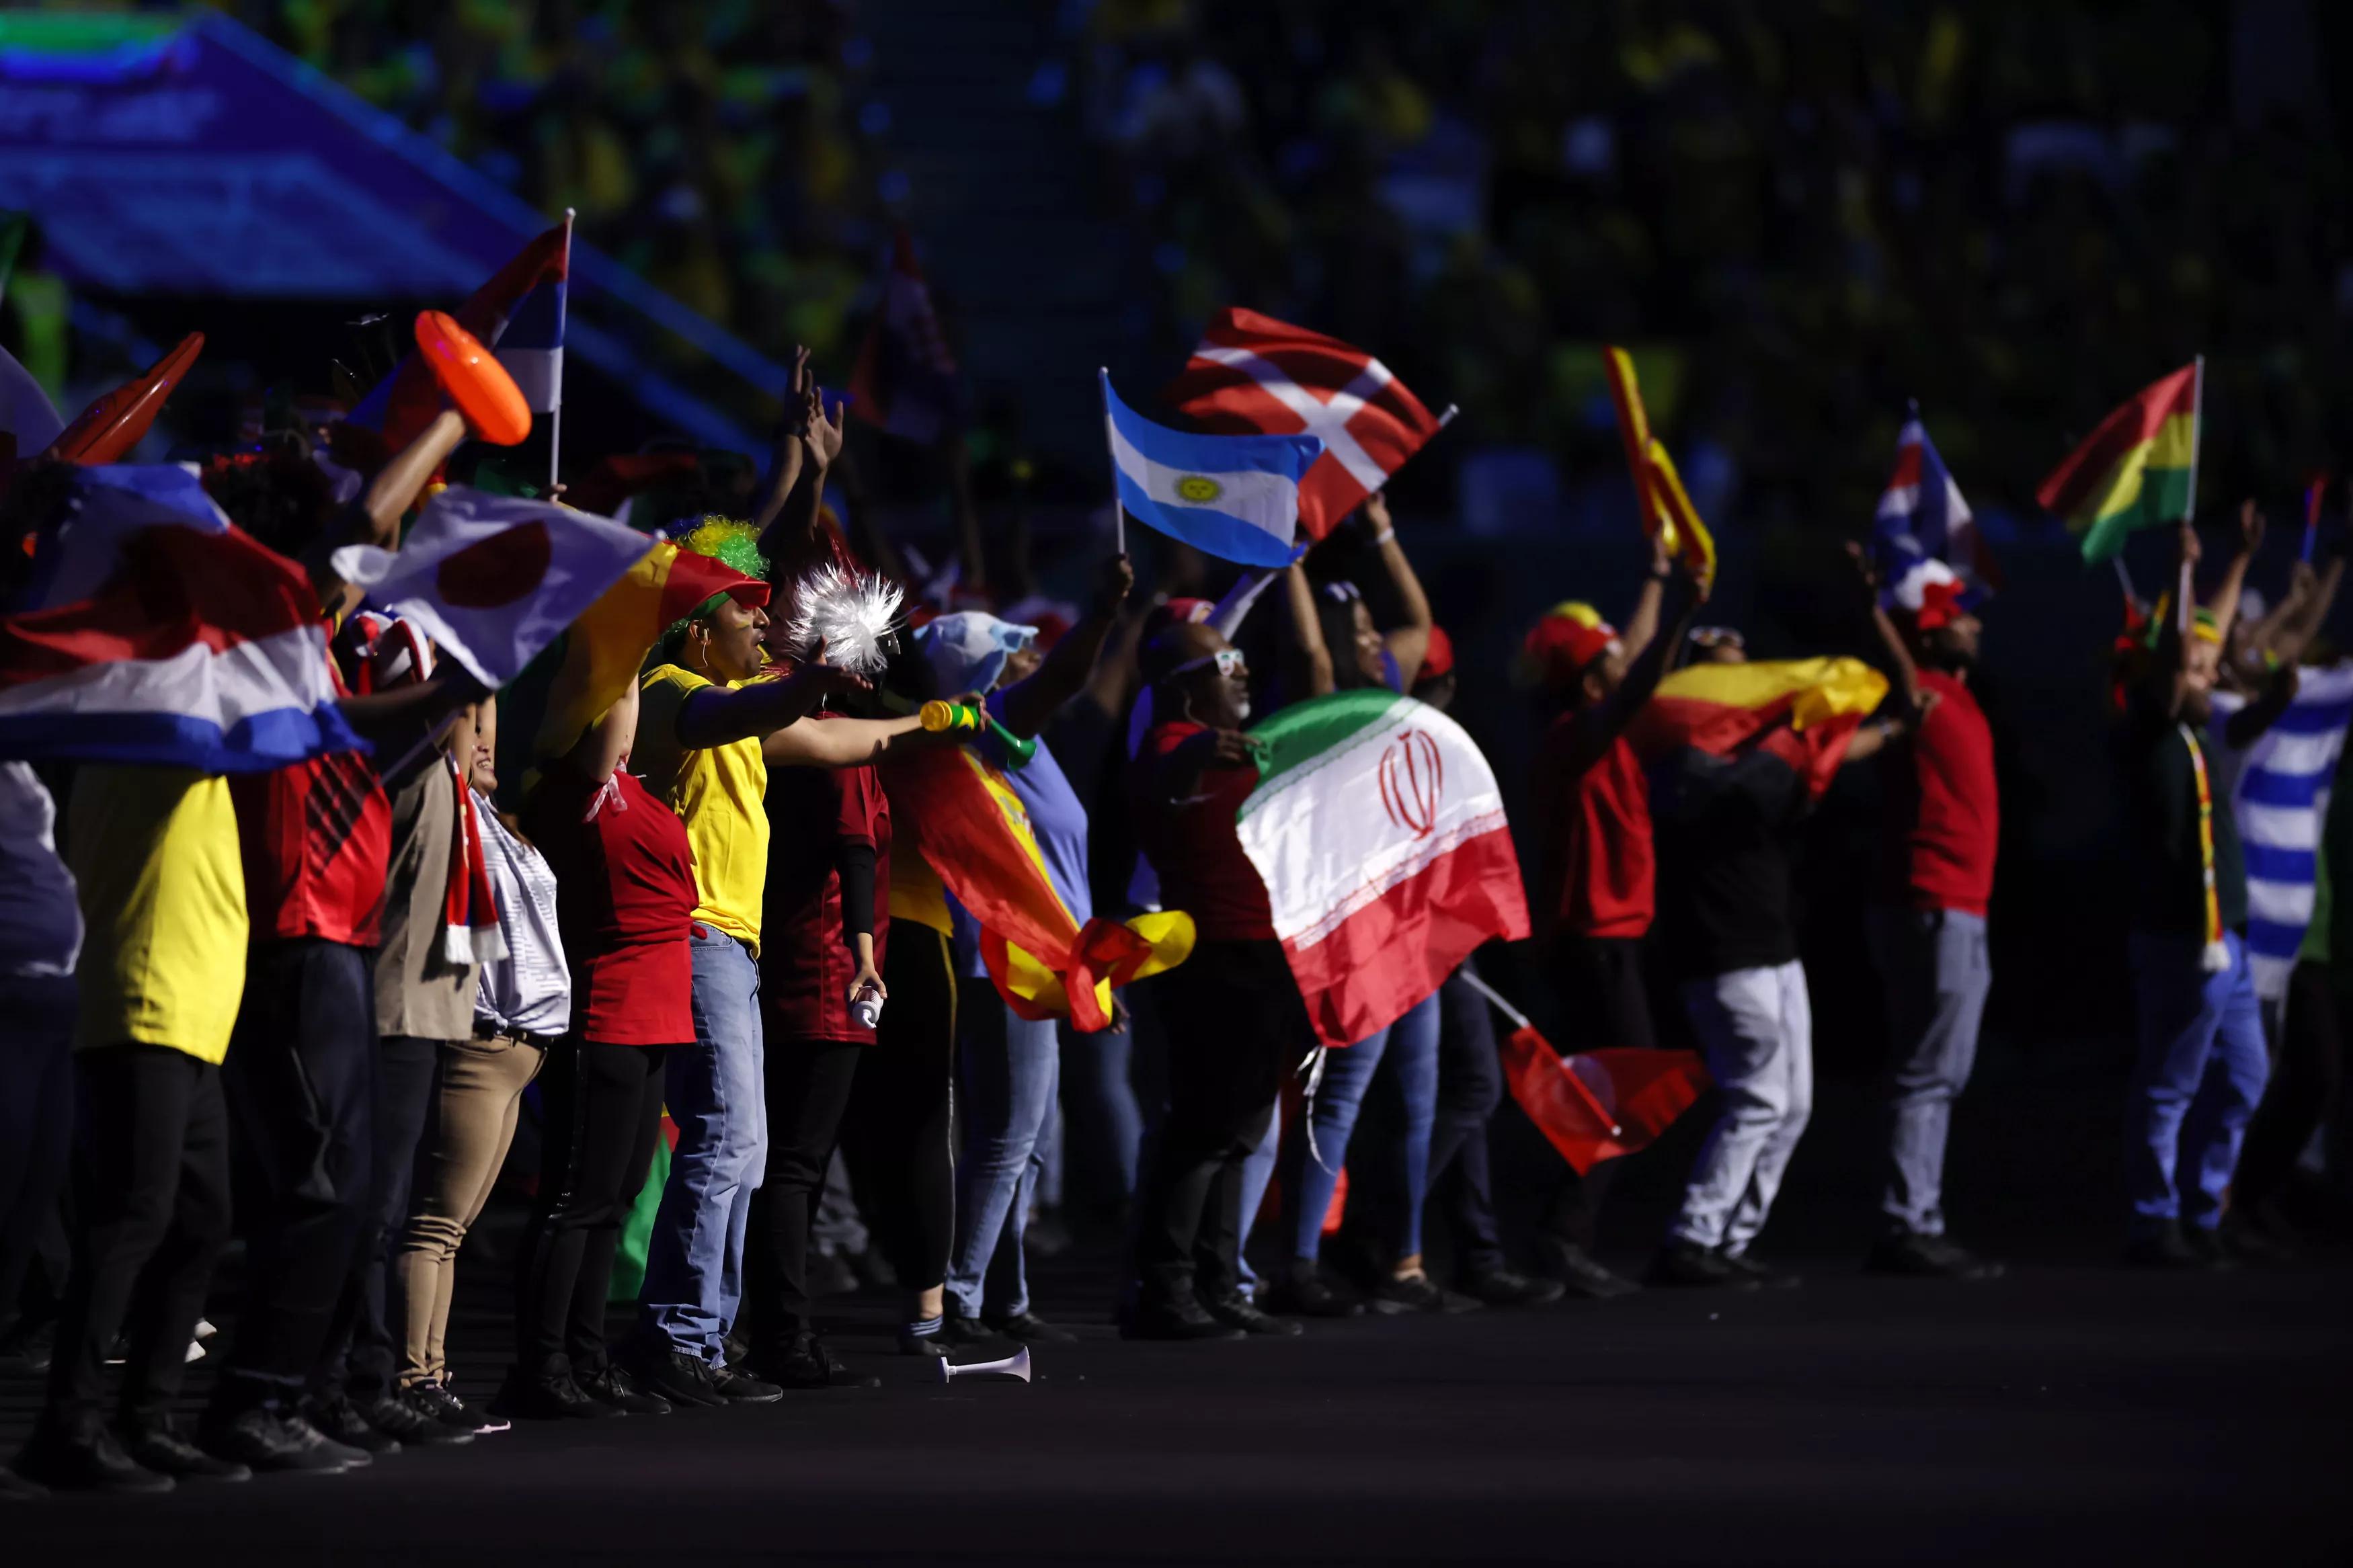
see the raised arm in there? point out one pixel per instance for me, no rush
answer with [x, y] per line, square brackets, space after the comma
[786, 454]
[838, 742]
[2224, 606]
[2288, 642]
[2171, 665]
[376, 519]
[1307, 632]
[1642, 626]
[716, 715]
[1408, 643]
[1065, 671]
[1890, 641]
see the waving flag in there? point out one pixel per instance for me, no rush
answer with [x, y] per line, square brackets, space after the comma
[1923, 519]
[905, 382]
[1253, 375]
[2138, 469]
[1233, 497]
[2280, 798]
[494, 579]
[1804, 710]
[1666, 509]
[529, 341]
[1378, 830]
[155, 632]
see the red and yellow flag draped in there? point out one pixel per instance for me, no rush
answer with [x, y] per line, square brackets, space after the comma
[959, 814]
[1804, 710]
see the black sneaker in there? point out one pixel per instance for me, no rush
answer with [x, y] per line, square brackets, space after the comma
[1394, 1297]
[1175, 1321]
[1581, 1276]
[611, 1386]
[161, 1448]
[806, 1363]
[675, 1375]
[271, 1443]
[85, 1460]
[1030, 1329]
[1305, 1291]
[960, 1332]
[412, 1424]
[1767, 1276]
[1907, 1256]
[912, 1343]
[440, 1401]
[340, 1421]
[1239, 1312]
[550, 1396]
[742, 1387]
[25, 1348]
[1689, 1265]
[1509, 1288]
[2164, 1247]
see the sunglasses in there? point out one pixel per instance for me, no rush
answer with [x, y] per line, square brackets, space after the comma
[1228, 661]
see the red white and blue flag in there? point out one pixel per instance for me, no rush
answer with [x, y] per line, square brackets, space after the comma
[1924, 539]
[905, 382]
[152, 631]
[1253, 375]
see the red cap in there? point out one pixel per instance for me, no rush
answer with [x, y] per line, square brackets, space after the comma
[1440, 660]
[1571, 635]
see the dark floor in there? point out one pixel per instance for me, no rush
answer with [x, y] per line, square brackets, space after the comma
[2060, 1413]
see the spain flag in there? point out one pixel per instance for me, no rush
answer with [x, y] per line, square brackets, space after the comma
[1804, 710]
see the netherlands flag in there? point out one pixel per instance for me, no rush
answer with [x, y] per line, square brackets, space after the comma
[1922, 518]
[153, 632]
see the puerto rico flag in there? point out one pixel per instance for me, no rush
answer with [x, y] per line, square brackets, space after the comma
[905, 382]
[155, 632]
[1922, 518]
[1253, 375]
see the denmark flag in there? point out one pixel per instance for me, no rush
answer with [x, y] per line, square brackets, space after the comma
[1255, 375]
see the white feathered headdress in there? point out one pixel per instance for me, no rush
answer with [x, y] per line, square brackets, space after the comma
[854, 615]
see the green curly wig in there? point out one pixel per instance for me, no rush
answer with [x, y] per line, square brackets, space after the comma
[730, 543]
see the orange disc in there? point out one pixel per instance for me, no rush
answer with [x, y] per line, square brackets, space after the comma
[474, 380]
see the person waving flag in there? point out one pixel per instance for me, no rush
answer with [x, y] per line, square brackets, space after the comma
[1922, 518]
[1234, 497]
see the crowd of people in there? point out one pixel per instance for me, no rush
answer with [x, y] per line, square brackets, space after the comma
[339, 989]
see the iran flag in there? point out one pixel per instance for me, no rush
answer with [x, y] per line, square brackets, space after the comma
[1380, 833]
[1253, 375]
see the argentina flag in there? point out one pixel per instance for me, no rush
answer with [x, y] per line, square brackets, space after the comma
[1233, 497]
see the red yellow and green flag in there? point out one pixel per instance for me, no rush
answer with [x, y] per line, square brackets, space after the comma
[2138, 469]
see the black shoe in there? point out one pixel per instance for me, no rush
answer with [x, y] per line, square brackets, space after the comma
[806, 1363]
[733, 1349]
[340, 1421]
[271, 1443]
[683, 1379]
[1581, 1276]
[399, 1416]
[550, 1396]
[2210, 1248]
[1509, 1288]
[1305, 1291]
[829, 1276]
[439, 1401]
[613, 1387]
[742, 1388]
[960, 1332]
[1239, 1312]
[913, 1343]
[1175, 1321]
[1394, 1297]
[2164, 1247]
[1928, 1258]
[90, 1460]
[25, 1349]
[1690, 1265]
[1030, 1329]
[1765, 1274]
[161, 1448]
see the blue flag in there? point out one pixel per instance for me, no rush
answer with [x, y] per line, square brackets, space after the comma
[1233, 497]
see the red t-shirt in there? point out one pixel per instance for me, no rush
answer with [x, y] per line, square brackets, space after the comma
[316, 839]
[807, 961]
[1192, 843]
[1600, 873]
[1943, 810]
[625, 899]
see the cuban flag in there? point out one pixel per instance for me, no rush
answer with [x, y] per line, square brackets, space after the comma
[152, 631]
[1233, 497]
[1925, 538]
[1255, 375]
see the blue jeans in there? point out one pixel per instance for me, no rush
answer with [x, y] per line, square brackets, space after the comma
[1258, 1174]
[2196, 1080]
[694, 1258]
[1935, 967]
[1102, 1126]
[1010, 1065]
[1410, 1046]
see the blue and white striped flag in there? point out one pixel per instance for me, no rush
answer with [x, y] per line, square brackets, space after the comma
[1233, 497]
[2280, 797]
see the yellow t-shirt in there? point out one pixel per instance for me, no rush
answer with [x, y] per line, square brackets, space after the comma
[717, 792]
[154, 853]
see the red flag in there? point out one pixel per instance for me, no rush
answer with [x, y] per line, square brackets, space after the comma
[1253, 375]
[1597, 1105]
[111, 427]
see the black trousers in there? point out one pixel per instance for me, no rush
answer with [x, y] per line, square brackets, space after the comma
[1470, 1088]
[1606, 1002]
[302, 1084]
[809, 1089]
[603, 1106]
[36, 1119]
[1236, 1026]
[894, 1134]
[2305, 1085]
[361, 1353]
[152, 1205]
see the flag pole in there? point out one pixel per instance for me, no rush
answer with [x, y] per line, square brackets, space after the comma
[2181, 612]
[1118, 512]
[556, 414]
[1448, 418]
[1519, 1019]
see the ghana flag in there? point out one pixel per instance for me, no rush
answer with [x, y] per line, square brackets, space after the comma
[1380, 833]
[2138, 469]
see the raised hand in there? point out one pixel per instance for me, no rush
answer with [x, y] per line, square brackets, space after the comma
[1114, 582]
[1376, 515]
[2251, 528]
[824, 436]
[1860, 558]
